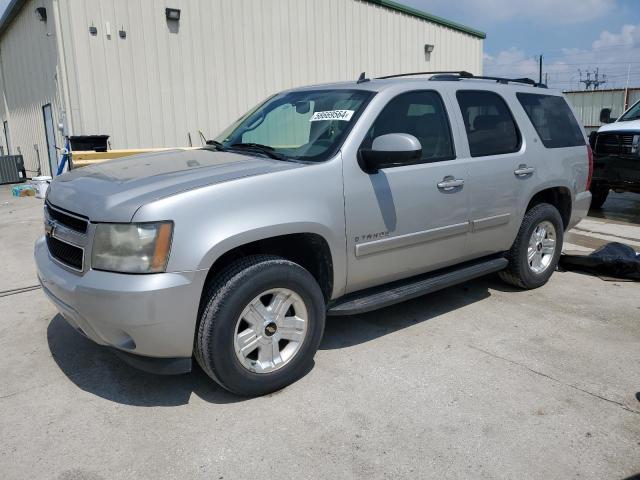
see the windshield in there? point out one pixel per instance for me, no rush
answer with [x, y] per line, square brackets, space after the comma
[304, 125]
[632, 114]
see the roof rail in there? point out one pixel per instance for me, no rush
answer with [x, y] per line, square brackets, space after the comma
[455, 75]
[460, 73]
[502, 80]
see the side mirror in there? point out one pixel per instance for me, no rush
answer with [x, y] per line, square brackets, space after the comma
[605, 116]
[390, 150]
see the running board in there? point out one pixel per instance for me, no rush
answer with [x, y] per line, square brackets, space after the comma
[379, 297]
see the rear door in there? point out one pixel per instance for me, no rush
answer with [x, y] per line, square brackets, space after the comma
[501, 173]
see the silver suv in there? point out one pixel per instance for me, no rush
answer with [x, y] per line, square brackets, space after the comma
[332, 199]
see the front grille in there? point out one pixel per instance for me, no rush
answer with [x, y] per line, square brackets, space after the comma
[614, 143]
[74, 223]
[64, 252]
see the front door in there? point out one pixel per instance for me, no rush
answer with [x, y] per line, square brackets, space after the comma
[409, 219]
[50, 134]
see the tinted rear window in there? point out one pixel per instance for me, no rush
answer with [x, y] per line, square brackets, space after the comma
[553, 120]
[490, 127]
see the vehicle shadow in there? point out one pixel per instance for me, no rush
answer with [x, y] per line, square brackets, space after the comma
[342, 332]
[97, 370]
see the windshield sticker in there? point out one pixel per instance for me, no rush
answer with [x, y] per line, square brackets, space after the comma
[344, 115]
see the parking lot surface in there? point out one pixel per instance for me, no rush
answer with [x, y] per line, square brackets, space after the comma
[477, 381]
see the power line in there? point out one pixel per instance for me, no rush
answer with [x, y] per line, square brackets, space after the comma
[560, 64]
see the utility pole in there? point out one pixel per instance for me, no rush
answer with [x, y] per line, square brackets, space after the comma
[626, 90]
[546, 78]
[540, 70]
[593, 83]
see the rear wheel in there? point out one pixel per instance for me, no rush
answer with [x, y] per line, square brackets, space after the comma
[261, 323]
[599, 194]
[536, 250]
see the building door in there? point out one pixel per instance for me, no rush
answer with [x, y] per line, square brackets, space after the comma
[50, 133]
[7, 140]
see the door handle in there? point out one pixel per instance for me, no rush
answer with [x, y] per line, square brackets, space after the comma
[523, 170]
[450, 183]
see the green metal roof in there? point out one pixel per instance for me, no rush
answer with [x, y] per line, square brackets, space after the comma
[427, 16]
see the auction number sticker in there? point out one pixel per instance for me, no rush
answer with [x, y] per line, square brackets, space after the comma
[344, 115]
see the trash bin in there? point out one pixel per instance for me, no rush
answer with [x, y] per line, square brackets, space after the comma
[41, 185]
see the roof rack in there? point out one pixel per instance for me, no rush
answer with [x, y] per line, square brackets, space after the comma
[456, 75]
[460, 73]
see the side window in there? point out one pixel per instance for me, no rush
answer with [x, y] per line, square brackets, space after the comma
[553, 120]
[421, 114]
[490, 127]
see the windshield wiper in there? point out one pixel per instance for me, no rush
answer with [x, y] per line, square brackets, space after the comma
[216, 145]
[258, 147]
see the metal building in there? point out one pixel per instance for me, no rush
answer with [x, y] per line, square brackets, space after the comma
[588, 103]
[152, 73]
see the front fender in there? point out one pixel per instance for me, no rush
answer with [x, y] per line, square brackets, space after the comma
[211, 221]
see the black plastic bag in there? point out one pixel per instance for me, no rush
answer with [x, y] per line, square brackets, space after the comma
[613, 260]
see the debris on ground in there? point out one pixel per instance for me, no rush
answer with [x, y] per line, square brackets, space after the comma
[23, 191]
[613, 261]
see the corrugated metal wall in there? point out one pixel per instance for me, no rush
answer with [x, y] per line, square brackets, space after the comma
[166, 80]
[634, 95]
[587, 104]
[28, 79]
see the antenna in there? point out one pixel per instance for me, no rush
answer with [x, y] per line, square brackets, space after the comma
[363, 78]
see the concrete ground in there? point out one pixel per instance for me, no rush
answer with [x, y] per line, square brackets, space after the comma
[477, 381]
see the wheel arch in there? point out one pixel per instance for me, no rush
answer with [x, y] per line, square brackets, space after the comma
[559, 196]
[304, 246]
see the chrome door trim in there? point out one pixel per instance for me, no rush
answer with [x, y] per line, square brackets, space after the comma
[410, 239]
[490, 222]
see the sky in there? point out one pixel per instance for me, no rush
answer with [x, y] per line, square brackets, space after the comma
[571, 35]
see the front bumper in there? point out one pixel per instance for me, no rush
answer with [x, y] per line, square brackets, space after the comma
[580, 208]
[149, 315]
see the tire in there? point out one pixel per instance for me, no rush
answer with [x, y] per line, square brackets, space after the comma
[231, 299]
[599, 194]
[520, 271]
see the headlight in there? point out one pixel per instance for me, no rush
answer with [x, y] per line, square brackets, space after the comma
[132, 247]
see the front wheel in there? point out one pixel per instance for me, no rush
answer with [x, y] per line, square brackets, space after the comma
[535, 252]
[261, 323]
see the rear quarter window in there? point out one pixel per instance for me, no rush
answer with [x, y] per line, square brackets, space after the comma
[553, 120]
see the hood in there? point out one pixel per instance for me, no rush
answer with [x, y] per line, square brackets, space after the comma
[112, 191]
[624, 126]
